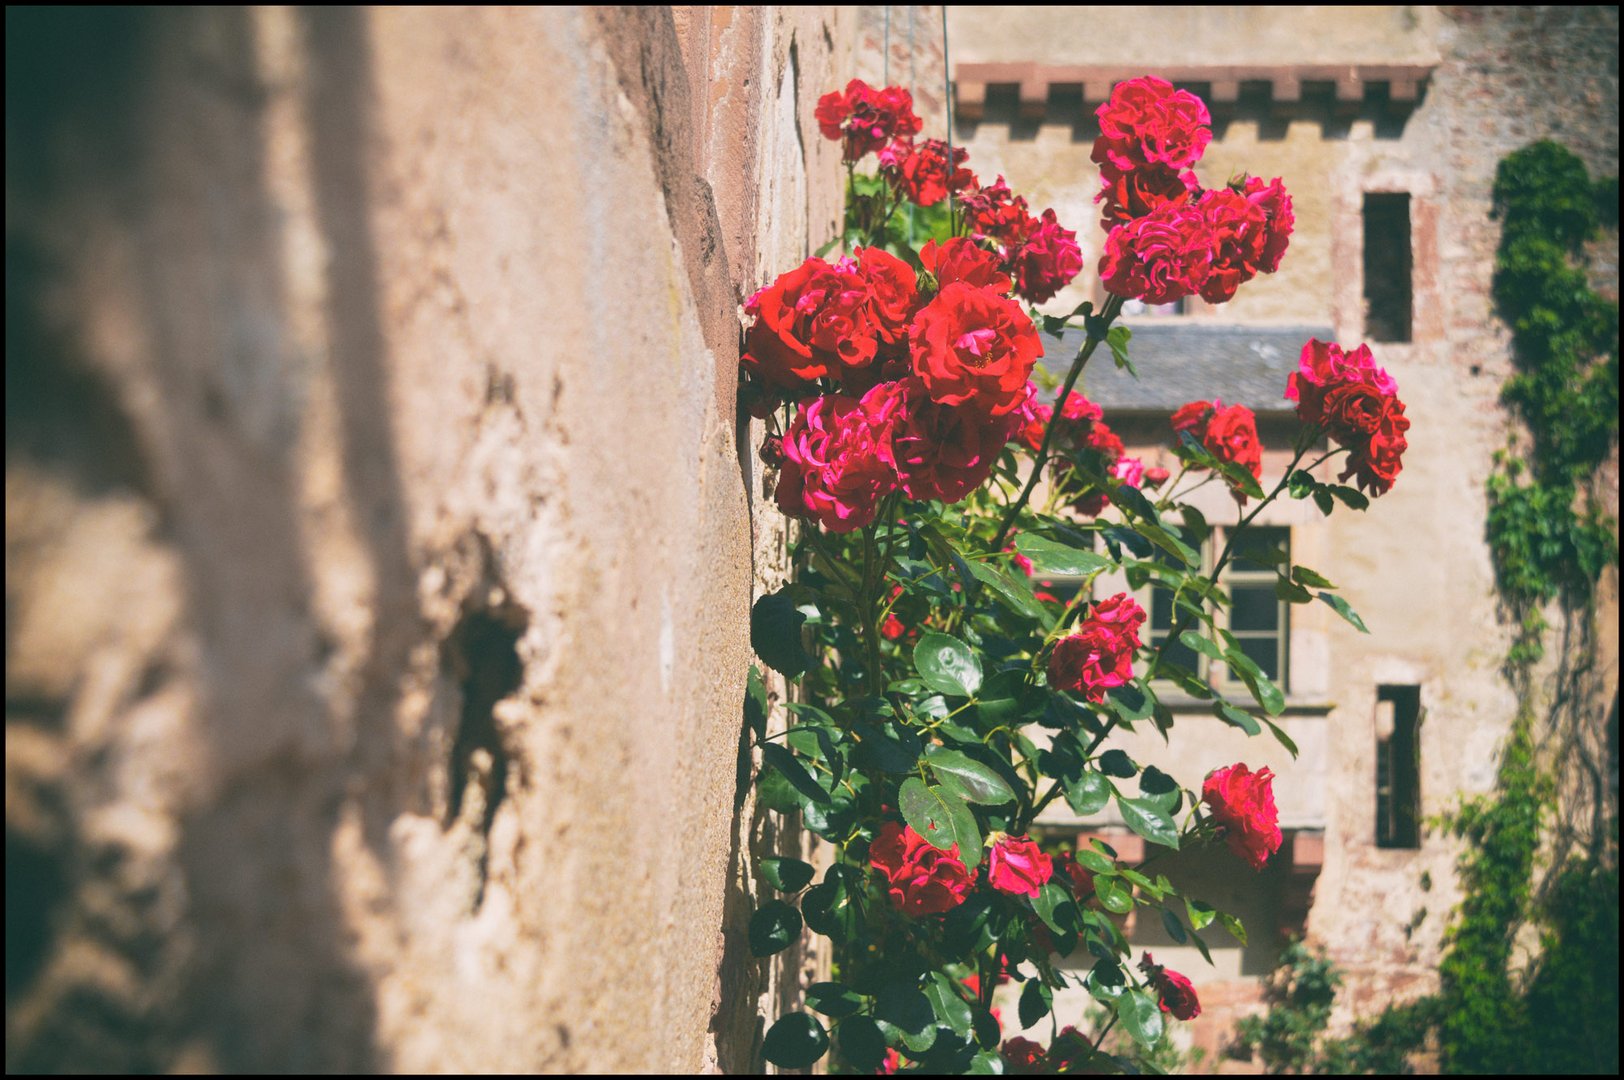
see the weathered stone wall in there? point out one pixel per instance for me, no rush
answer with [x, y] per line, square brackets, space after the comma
[380, 535]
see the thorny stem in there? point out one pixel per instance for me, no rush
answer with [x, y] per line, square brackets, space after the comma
[1107, 315]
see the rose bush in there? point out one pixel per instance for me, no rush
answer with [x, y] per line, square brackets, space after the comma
[949, 690]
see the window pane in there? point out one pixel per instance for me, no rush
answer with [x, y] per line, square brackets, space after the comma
[1256, 608]
[1388, 303]
[1252, 544]
[1161, 609]
[1182, 655]
[1265, 653]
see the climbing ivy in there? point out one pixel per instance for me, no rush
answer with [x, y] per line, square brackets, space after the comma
[1549, 538]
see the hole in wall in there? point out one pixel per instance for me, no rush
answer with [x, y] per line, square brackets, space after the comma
[481, 656]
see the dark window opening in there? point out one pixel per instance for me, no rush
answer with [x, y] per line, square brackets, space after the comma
[1388, 301]
[1398, 766]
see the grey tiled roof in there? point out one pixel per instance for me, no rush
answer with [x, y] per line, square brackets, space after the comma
[1179, 362]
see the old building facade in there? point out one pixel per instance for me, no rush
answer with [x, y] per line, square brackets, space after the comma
[1386, 125]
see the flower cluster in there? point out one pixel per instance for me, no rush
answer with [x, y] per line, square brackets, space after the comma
[1229, 432]
[941, 377]
[921, 879]
[1042, 254]
[1169, 238]
[1176, 995]
[1357, 404]
[1099, 656]
[1243, 803]
[866, 120]
[926, 172]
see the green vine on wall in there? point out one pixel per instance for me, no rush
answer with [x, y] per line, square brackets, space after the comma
[1549, 538]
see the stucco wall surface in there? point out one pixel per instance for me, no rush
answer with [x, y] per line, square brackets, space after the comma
[380, 537]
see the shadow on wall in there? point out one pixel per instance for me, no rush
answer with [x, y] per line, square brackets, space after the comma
[141, 132]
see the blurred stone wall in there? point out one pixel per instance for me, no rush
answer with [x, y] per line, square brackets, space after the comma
[380, 534]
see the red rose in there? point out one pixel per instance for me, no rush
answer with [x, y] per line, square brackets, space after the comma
[1147, 122]
[1045, 259]
[866, 119]
[1279, 219]
[837, 464]
[923, 879]
[1229, 432]
[1129, 471]
[1078, 417]
[922, 173]
[1231, 435]
[1156, 476]
[777, 347]
[974, 347]
[942, 451]
[962, 259]
[1357, 403]
[1176, 994]
[893, 289]
[998, 212]
[1022, 1055]
[1159, 258]
[1133, 193]
[1243, 803]
[1069, 1047]
[1238, 228]
[1192, 417]
[1099, 656]
[1376, 462]
[1018, 867]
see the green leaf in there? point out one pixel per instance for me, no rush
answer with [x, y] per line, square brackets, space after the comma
[1291, 592]
[1263, 688]
[755, 703]
[945, 1001]
[947, 665]
[786, 874]
[862, 1043]
[1352, 498]
[1149, 820]
[1343, 609]
[1053, 904]
[1118, 764]
[1238, 717]
[1015, 594]
[1117, 339]
[1141, 1016]
[1322, 499]
[1201, 946]
[986, 1063]
[828, 909]
[890, 747]
[775, 633]
[1305, 576]
[1204, 645]
[1281, 737]
[793, 771]
[907, 1012]
[1106, 981]
[968, 778]
[795, 1041]
[833, 999]
[1095, 863]
[1036, 1001]
[1200, 912]
[1051, 557]
[1300, 484]
[1088, 794]
[941, 817]
[773, 928]
[1175, 929]
[1233, 925]
[1115, 897]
